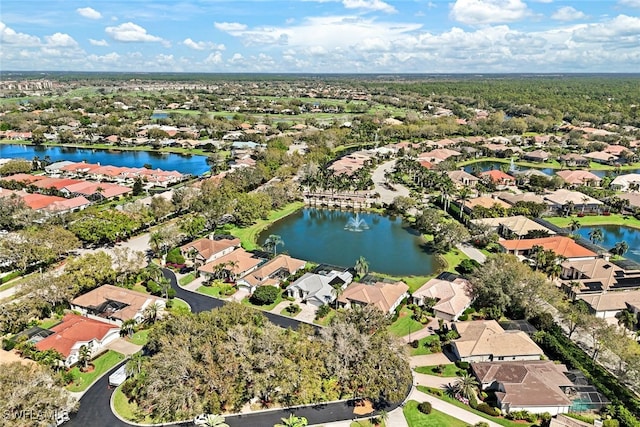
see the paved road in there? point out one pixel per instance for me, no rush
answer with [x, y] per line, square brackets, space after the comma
[472, 252]
[386, 193]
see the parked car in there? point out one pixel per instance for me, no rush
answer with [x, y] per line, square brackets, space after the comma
[200, 420]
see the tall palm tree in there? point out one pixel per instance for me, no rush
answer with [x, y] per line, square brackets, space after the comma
[215, 421]
[627, 319]
[127, 327]
[574, 225]
[620, 248]
[464, 194]
[466, 385]
[596, 236]
[273, 241]
[151, 313]
[156, 241]
[165, 285]
[84, 356]
[293, 421]
[362, 266]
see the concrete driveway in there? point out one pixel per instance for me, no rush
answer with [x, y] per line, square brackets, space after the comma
[123, 346]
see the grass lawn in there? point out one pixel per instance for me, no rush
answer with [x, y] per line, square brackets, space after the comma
[284, 312]
[249, 234]
[269, 307]
[187, 279]
[453, 258]
[326, 319]
[497, 420]
[128, 411]
[139, 288]
[49, 323]
[405, 324]
[423, 347]
[450, 370]
[366, 423]
[179, 306]
[82, 380]
[140, 337]
[589, 220]
[436, 418]
[212, 291]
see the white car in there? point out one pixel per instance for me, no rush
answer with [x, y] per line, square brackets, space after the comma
[200, 420]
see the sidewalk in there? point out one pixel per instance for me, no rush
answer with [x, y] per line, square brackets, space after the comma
[472, 252]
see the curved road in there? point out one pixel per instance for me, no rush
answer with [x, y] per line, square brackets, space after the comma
[95, 408]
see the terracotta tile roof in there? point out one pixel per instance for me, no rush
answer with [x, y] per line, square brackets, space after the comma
[497, 176]
[578, 177]
[280, 262]
[40, 201]
[207, 247]
[68, 204]
[72, 330]
[23, 177]
[452, 296]
[486, 337]
[89, 188]
[244, 261]
[561, 245]
[57, 183]
[381, 295]
[135, 302]
[486, 202]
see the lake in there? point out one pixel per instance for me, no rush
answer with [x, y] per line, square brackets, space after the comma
[617, 233]
[484, 166]
[319, 235]
[195, 165]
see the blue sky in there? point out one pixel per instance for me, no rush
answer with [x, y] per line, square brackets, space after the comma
[321, 36]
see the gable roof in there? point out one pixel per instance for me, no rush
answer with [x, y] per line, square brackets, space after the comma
[562, 196]
[496, 175]
[486, 202]
[382, 295]
[486, 337]
[130, 302]
[451, 295]
[207, 247]
[72, 330]
[243, 261]
[561, 245]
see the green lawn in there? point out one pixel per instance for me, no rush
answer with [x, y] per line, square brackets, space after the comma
[49, 323]
[187, 279]
[450, 370]
[128, 411]
[590, 220]
[366, 423]
[249, 234]
[453, 258]
[436, 418]
[179, 306]
[497, 420]
[140, 337]
[269, 307]
[326, 319]
[423, 347]
[101, 365]
[405, 324]
[212, 291]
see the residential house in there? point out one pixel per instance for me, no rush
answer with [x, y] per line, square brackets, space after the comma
[607, 304]
[626, 182]
[579, 177]
[535, 386]
[562, 246]
[524, 176]
[76, 331]
[320, 287]
[438, 155]
[207, 249]
[485, 202]
[513, 227]
[114, 304]
[536, 156]
[271, 273]
[559, 199]
[574, 160]
[461, 178]
[498, 177]
[512, 198]
[449, 294]
[486, 341]
[602, 157]
[232, 266]
[385, 296]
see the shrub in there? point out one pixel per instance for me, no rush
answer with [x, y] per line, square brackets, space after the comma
[463, 317]
[292, 309]
[610, 423]
[487, 409]
[265, 295]
[322, 311]
[424, 407]
[175, 257]
[171, 293]
[435, 347]
[462, 365]
[481, 424]
[415, 343]
[466, 266]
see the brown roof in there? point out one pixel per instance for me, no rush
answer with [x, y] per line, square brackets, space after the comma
[497, 175]
[74, 329]
[207, 247]
[135, 302]
[526, 383]
[243, 261]
[577, 177]
[486, 337]
[452, 296]
[561, 245]
[518, 224]
[486, 202]
[284, 262]
[612, 301]
[382, 295]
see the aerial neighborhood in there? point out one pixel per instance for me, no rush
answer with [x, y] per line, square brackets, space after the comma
[399, 252]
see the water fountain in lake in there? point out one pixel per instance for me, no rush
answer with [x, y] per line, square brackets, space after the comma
[512, 166]
[356, 224]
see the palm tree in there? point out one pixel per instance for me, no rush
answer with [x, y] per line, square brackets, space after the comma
[127, 327]
[596, 236]
[464, 194]
[620, 248]
[627, 319]
[134, 365]
[292, 421]
[273, 241]
[84, 356]
[215, 421]
[156, 241]
[361, 267]
[466, 385]
[151, 313]
[574, 225]
[568, 207]
[165, 285]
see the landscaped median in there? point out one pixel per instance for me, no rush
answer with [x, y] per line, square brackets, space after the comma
[415, 418]
[592, 220]
[102, 364]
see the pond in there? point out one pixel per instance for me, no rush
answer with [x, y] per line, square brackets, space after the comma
[195, 165]
[339, 238]
[617, 233]
[489, 165]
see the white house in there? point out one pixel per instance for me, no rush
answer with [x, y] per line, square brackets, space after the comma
[318, 289]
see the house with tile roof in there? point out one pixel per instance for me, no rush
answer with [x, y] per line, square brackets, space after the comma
[558, 199]
[486, 341]
[385, 296]
[450, 295]
[204, 250]
[607, 304]
[535, 386]
[602, 157]
[513, 226]
[561, 245]
[438, 155]
[536, 156]
[498, 177]
[573, 160]
[462, 178]
[271, 273]
[114, 304]
[319, 288]
[235, 264]
[626, 182]
[579, 177]
[76, 331]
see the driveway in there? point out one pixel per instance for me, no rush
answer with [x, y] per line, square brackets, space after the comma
[472, 252]
[124, 347]
[387, 193]
[429, 360]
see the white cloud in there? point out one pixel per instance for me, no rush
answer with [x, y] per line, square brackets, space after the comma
[102, 42]
[481, 12]
[372, 5]
[130, 32]
[237, 58]
[112, 57]
[60, 40]
[89, 13]
[630, 3]
[618, 31]
[230, 26]
[11, 37]
[214, 58]
[567, 13]
[202, 45]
